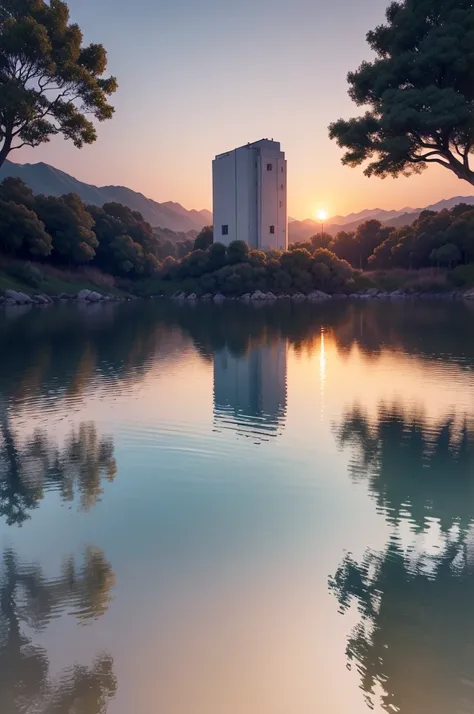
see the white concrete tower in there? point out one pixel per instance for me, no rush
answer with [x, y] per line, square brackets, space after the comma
[249, 196]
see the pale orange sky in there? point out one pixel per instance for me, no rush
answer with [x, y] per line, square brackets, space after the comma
[197, 79]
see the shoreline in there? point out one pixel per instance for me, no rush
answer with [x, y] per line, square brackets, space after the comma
[15, 298]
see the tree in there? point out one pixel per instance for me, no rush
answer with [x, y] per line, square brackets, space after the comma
[237, 251]
[447, 254]
[49, 81]
[419, 91]
[321, 240]
[70, 225]
[204, 239]
[346, 247]
[369, 236]
[22, 231]
[16, 190]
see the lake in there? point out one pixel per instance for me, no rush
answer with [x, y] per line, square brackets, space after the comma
[237, 509]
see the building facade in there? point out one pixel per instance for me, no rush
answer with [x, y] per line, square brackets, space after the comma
[249, 196]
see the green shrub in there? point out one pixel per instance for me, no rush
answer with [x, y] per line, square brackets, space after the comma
[26, 273]
[463, 275]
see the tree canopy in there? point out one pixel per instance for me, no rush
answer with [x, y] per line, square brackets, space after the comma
[50, 83]
[419, 91]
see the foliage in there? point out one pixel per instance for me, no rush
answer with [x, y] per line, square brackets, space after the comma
[27, 273]
[204, 239]
[419, 91]
[21, 231]
[49, 82]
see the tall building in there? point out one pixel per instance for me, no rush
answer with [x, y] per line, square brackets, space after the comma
[249, 196]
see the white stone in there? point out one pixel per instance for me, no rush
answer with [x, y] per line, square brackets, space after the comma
[94, 297]
[83, 294]
[219, 297]
[18, 297]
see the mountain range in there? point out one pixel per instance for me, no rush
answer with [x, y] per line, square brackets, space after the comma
[303, 230]
[43, 178]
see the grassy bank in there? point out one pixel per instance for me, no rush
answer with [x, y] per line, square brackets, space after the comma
[35, 278]
[32, 278]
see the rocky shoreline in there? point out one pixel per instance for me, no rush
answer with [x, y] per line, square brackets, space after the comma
[370, 294]
[14, 297]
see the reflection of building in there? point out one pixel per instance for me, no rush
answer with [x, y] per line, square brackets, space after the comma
[250, 391]
[249, 196]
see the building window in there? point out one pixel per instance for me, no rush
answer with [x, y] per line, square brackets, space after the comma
[272, 229]
[269, 167]
[225, 230]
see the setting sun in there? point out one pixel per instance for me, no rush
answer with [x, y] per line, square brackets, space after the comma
[322, 215]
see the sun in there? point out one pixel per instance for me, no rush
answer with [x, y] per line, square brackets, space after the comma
[322, 215]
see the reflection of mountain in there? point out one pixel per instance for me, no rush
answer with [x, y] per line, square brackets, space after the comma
[34, 465]
[250, 390]
[414, 644]
[28, 598]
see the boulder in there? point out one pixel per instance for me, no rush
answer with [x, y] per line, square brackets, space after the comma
[245, 297]
[271, 296]
[340, 296]
[469, 294]
[83, 294]
[94, 297]
[40, 300]
[10, 301]
[192, 296]
[258, 295]
[372, 292]
[318, 295]
[298, 296]
[178, 295]
[219, 297]
[18, 297]
[207, 296]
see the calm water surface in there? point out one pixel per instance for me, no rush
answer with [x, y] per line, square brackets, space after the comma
[237, 510]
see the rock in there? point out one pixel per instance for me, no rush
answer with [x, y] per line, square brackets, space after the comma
[245, 297]
[372, 292]
[207, 296]
[40, 300]
[298, 296]
[192, 296]
[258, 295]
[10, 301]
[340, 296]
[285, 297]
[94, 297]
[271, 296]
[178, 295]
[219, 297]
[18, 297]
[469, 294]
[318, 295]
[83, 294]
[64, 296]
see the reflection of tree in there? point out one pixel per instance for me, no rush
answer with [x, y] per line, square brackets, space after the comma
[414, 642]
[29, 467]
[412, 465]
[413, 647]
[27, 596]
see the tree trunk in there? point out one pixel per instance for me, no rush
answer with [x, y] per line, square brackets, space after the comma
[6, 148]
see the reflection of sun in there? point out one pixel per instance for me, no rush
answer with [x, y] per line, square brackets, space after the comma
[322, 214]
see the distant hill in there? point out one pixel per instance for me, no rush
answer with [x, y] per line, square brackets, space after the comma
[43, 178]
[301, 231]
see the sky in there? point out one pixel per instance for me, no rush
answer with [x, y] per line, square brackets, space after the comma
[200, 77]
